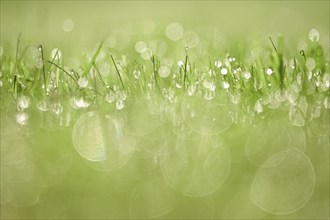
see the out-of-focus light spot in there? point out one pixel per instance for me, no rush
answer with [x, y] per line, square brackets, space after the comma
[310, 63]
[140, 46]
[68, 25]
[56, 54]
[23, 102]
[174, 31]
[1, 51]
[314, 35]
[164, 71]
[147, 54]
[22, 118]
[190, 39]
[180, 63]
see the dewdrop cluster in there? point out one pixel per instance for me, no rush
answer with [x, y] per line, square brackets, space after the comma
[245, 88]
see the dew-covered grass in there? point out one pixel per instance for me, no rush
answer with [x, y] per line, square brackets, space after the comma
[142, 113]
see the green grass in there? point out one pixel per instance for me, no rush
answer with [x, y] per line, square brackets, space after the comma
[183, 109]
[267, 74]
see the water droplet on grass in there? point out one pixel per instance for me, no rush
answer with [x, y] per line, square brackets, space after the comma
[180, 63]
[136, 74]
[246, 75]
[120, 104]
[57, 108]
[23, 102]
[258, 107]
[174, 31]
[78, 103]
[22, 118]
[226, 85]
[82, 82]
[269, 71]
[217, 63]
[56, 54]
[224, 71]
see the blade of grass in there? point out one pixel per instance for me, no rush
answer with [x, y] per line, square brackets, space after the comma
[117, 70]
[91, 63]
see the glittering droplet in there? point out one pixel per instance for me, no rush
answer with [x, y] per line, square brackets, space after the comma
[247, 75]
[218, 63]
[56, 54]
[22, 118]
[226, 85]
[269, 71]
[224, 71]
[23, 102]
[136, 74]
[82, 82]
[120, 104]
[258, 107]
[42, 106]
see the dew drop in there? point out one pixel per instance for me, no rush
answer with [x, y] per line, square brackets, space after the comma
[22, 118]
[226, 85]
[191, 90]
[57, 108]
[120, 104]
[218, 63]
[136, 74]
[258, 107]
[56, 54]
[247, 75]
[78, 103]
[269, 71]
[23, 102]
[82, 82]
[224, 71]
